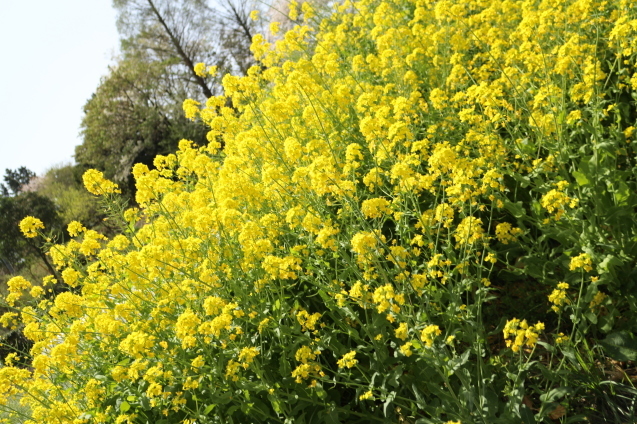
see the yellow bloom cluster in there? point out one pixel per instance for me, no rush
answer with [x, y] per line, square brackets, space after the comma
[598, 299]
[558, 296]
[96, 184]
[30, 226]
[354, 200]
[556, 200]
[367, 395]
[524, 333]
[429, 333]
[506, 233]
[348, 360]
[582, 261]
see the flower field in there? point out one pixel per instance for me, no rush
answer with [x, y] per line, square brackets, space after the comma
[411, 211]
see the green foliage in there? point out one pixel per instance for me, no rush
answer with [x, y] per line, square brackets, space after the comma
[15, 180]
[423, 212]
[17, 252]
[63, 186]
[134, 115]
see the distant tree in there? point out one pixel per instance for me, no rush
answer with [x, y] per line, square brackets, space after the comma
[134, 115]
[236, 30]
[187, 32]
[15, 180]
[63, 185]
[16, 251]
[169, 31]
[136, 112]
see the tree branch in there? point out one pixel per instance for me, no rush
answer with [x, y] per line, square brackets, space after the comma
[180, 50]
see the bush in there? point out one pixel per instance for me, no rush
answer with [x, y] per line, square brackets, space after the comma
[414, 212]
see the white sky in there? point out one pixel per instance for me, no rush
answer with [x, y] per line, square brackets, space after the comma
[52, 55]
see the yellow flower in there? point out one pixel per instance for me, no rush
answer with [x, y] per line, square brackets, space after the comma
[375, 208]
[30, 225]
[558, 297]
[348, 360]
[96, 184]
[469, 231]
[561, 338]
[248, 354]
[198, 362]
[191, 108]
[308, 321]
[505, 233]
[524, 333]
[200, 70]
[406, 349]
[366, 395]
[263, 324]
[305, 354]
[75, 228]
[581, 261]
[429, 333]
[555, 201]
[401, 331]
[597, 300]
[231, 370]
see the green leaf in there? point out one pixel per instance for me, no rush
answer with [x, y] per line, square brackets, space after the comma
[556, 394]
[548, 347]
[581, 178]
[609, 263]
[591, 317]
[622, 194]
[621, 346]
[516, 209]
[208, 409]
[124, 406]
[420, 401]
[388, 401]
[276, 405]
[332, 417]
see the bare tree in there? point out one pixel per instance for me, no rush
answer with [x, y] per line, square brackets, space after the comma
[188, 32]
[169, 30]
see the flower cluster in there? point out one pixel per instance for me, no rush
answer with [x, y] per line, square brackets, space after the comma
[370, 184]
[524, 334]
[96, 184]
[30, 226]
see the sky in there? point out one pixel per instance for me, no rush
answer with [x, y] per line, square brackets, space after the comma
[53, 56]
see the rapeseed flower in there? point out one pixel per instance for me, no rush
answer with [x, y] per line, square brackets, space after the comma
[96, 184]
[29, 226]
[429, 333]
[348, 360]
